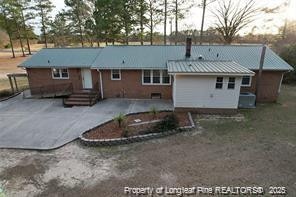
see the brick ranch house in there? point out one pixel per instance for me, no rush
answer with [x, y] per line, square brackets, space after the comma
[199, 77]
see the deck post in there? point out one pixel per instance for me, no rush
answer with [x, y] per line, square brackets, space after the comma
[16, 87]
[11, 85]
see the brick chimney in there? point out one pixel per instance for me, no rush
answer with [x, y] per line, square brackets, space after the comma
[188, 47]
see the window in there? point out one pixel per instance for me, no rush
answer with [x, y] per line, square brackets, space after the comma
[156, 77]
[231, 83]
[246, 81]
[58, 73]
[219, 83]
[65, 73]
[147, 76]
[165, 77]
[115, 75]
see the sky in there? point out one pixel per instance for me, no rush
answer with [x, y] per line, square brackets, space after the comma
[264, 23]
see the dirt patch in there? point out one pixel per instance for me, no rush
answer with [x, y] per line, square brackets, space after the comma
[9, 65]
[146, 123]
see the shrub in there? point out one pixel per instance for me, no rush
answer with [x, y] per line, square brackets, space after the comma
[119, 119]
[153, 111]
[170, 122]
[125, 132]
[7, 46]
[5, 93]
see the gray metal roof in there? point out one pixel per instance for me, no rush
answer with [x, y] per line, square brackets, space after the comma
[207, 67]
[156, 57]
[62, 57]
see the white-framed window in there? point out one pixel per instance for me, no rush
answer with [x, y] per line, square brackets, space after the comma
[60, 73]
[231, 82]
[155, 77]
[219, 83]
[246, 81]
[115, 74]
[146, 77]
[166, 78]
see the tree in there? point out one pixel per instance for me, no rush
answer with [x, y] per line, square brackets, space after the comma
[178, 9]
[154, 15]
[44, 8]
[25, 15]
[89, 29]
[79, 11]
[107, 20]
[204, 4]
[60, 30]
[5, 23]
[142, 8]
[288, 54]
[231, 18]
[13, 13]
[127, 14]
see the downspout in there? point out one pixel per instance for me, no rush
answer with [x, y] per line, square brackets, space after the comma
[101, 84]
[258, 82]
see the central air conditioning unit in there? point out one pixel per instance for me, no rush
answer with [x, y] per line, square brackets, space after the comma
[247, 100]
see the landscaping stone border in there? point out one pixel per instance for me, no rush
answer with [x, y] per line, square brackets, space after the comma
[138, 138]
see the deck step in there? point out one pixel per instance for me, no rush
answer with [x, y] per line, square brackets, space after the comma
[81, 98]
[79, 103]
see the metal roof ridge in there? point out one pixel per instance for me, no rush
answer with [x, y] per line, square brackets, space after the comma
[197, 60]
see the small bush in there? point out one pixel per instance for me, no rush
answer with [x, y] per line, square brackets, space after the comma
[125, 132]
[153, 110]
[170, 122]
[5, 93]
[119, 119]
[7, 46]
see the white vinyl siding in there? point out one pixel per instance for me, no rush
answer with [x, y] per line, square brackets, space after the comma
[201, 92]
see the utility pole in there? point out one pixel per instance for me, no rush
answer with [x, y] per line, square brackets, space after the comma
[176, 21]
[165, 21]
[262, 58]
[171, 27]
[203, 20]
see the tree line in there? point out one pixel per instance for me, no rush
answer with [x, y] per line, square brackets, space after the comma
[91, 22]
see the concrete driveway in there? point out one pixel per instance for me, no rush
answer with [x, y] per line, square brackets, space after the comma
[46, 124]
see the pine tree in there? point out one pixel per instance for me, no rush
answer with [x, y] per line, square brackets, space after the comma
[43, 9]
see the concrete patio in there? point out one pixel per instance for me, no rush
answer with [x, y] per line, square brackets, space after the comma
[45, 124]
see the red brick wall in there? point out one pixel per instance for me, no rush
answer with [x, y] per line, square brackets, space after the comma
[41, 77]
[269, 86]
[130, 86]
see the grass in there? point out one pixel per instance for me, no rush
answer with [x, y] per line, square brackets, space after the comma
[273, 121]
[5, 89]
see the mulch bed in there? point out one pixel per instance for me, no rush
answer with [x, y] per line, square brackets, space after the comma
[112, 130]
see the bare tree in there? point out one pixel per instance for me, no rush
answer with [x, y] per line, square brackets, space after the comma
[231, 18]
[204, 5]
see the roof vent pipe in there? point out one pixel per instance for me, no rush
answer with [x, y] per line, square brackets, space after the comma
[188, 47]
